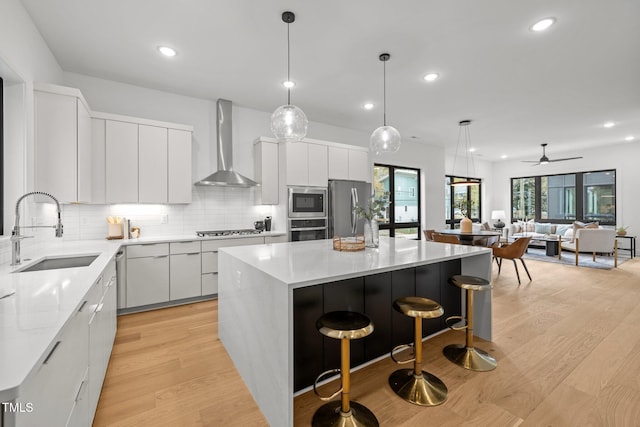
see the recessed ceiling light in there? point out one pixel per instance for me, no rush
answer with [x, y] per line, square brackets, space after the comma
[431, 77]
[368, 106]
[504, 156]
[472, 150]
[609, 124]
[543, 24]
[167, 51]
[630, 138]
[288, 84]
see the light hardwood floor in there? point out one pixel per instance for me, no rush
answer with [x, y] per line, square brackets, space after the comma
[567, 345]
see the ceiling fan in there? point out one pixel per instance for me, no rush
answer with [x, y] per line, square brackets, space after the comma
[544, 159]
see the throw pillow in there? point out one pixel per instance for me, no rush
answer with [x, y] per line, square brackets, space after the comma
[543, 228]
[562, 228]
[486, 226]
[530, 226]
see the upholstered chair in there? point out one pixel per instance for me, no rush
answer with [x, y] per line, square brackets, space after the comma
[512, 251]
[446, 238]
[601, 240]
[428, 234]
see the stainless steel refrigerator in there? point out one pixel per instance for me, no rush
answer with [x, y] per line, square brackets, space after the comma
[343, 196]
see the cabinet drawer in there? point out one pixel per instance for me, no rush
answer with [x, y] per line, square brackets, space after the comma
[184, 247]
[147, 250]
[209, 262]
[209, 283]
[184, 271]
[214, 245]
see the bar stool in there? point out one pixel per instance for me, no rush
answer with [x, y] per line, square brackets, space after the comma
[415, 385]
[466, 355]
[345, 326]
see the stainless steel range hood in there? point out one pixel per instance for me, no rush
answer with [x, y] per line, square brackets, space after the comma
[225, 175]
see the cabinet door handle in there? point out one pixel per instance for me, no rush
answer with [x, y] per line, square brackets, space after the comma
[55, 346]
[79, 391]
[99, 280]
[82, 306]
[160, 256]
[194, 253]
[99, 308]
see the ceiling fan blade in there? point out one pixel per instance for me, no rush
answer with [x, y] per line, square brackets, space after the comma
[567, 158]
[530, 161]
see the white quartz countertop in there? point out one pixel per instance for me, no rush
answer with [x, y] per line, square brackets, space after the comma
[42, 302]
[312, 262]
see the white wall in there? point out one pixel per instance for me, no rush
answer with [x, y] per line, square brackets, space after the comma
[622, 157]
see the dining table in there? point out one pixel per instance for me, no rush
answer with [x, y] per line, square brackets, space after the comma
[467, 238]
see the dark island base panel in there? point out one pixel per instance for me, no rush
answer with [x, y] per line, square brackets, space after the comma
[374, 296]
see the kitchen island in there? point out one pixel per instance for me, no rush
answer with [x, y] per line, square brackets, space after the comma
[271, 295]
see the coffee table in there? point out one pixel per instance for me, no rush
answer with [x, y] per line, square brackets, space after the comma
[553, 245]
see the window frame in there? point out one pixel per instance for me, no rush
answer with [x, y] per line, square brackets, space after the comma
[452, 221]
[579, 197]
[392, 226]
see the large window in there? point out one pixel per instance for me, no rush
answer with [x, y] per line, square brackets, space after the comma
[461, 200]
[1, 156]
[402, 218]
[563, 198]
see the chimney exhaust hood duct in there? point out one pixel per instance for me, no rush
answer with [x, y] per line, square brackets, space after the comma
[225, 175]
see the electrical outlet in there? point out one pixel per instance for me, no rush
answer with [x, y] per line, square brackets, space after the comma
[164, 219]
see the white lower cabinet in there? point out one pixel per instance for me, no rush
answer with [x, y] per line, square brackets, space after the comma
[147, 274]
[63, 388]
[210, 283]
[185, 281]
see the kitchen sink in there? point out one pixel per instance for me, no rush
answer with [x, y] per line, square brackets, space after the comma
[52, 263]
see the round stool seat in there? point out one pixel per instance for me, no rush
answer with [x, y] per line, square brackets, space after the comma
[418, 307]
[344, 324]
[470, 283]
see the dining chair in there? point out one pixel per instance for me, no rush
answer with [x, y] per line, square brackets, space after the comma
[512, 251]
[428, 234]
[446, 238]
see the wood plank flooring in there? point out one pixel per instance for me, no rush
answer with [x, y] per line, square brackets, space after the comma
[567, 345]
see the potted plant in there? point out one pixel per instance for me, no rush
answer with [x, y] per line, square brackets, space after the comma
[370, 212]
[622, 231]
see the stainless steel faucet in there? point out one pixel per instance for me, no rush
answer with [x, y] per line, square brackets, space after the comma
[15, 233]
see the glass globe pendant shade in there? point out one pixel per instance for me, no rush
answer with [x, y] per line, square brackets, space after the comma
[385, 139]
[289, 123]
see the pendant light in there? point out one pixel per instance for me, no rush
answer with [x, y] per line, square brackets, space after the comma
[385, 139]
[288, 122]
[463, 131]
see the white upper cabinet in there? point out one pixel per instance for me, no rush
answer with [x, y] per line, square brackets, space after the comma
[306, 164]
[152, 164]
[347, 163]
[98, 174]
[266, 172]
[121, 162]
[179, 166]
[146, 161]
[359, 167]
[62, 143]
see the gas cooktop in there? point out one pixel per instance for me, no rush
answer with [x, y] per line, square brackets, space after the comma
[245, 231]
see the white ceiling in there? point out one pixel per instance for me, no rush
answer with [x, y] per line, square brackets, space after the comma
[519, 88]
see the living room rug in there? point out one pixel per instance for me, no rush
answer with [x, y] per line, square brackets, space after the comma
[569, 258]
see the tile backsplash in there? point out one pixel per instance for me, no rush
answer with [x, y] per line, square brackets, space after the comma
[212, 208]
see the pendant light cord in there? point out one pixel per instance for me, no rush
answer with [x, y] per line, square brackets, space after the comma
[288, 65]
[384, 93]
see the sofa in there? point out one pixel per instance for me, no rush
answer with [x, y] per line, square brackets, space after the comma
[567, 232]
[594, 240]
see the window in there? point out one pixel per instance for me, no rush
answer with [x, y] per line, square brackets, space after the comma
[402, 218]
[564, 198]
[461, 200]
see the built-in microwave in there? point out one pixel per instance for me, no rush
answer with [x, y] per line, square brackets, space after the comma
[307, 202]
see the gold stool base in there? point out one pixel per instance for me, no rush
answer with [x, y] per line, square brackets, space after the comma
[423, 390]
[331, 415]
[470, 358]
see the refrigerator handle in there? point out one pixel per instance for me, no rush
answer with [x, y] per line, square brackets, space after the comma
[354, 216]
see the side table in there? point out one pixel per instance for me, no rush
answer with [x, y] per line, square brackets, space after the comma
[632, 244]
